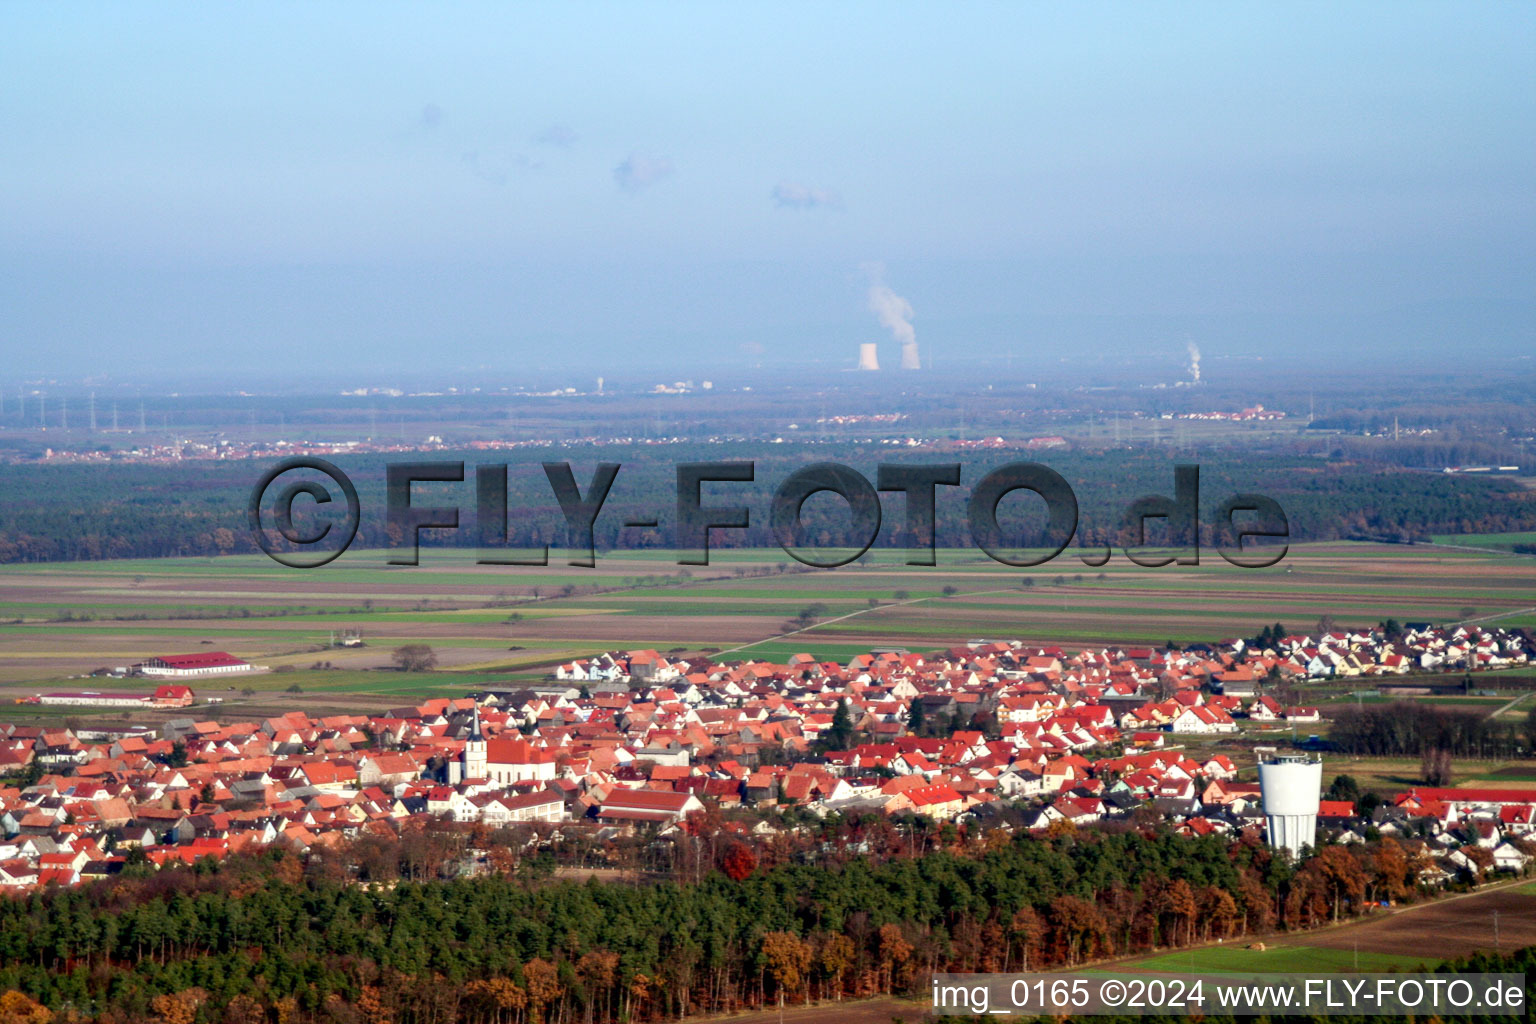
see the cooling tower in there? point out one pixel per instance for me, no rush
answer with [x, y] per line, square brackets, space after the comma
[868, 356]
[909, 359]
[1291, 785]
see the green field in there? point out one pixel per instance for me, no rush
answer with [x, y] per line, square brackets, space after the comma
[1278, 960]
[1486, 540]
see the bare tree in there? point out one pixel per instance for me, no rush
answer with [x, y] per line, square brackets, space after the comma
[414, 658]
[1435, 766]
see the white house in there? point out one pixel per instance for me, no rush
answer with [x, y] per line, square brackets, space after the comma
[1507, 858]
[1203, 719]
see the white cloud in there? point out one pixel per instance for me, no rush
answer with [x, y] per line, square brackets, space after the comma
[791, 195]
[498, 171]
[557, 135]
[638, 171]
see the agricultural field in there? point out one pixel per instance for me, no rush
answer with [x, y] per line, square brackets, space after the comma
[1392, 940]
[1498, 541]
[1279, 959]
[496, 623]
[1394, 774]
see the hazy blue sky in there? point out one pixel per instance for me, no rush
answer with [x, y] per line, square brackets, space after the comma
[333, 185]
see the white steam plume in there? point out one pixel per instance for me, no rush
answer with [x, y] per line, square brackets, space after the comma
[1194, 362]
[895, 315]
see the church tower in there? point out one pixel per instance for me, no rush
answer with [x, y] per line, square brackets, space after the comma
[474, 750]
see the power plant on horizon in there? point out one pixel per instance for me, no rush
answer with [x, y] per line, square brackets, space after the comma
[869, 356]
[895, 315]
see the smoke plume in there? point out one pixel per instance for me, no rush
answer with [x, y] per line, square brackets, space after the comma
[1194, 362]
[895, 315]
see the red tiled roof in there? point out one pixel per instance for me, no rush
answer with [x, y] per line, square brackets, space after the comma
[202, 659]
[646, 800]
[1477, 796]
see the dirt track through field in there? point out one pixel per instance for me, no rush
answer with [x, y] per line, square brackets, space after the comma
[1443, 929]
[1452, 927]
[881, 1010]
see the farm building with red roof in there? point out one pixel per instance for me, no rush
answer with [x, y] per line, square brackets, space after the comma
[173, 695]
[648, 805]
[204, 663]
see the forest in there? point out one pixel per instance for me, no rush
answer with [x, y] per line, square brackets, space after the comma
[71, 512]
[348, 936]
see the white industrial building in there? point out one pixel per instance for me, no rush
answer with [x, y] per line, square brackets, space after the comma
[95, 698]
[206, 663]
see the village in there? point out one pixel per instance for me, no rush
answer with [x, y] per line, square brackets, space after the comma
[981, 735]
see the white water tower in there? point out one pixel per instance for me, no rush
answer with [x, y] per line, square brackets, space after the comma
[1291, 785]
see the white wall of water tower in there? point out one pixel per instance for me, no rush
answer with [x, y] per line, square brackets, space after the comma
[1291, 786]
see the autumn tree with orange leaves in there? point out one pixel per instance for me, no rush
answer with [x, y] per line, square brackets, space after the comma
[542, 979]
[18, 1008]
[836, 956]
[895, 951]
[788, 959]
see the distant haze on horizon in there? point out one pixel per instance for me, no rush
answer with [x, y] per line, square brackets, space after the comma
[289, 189]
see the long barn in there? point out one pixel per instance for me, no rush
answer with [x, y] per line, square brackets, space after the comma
[209, 663]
